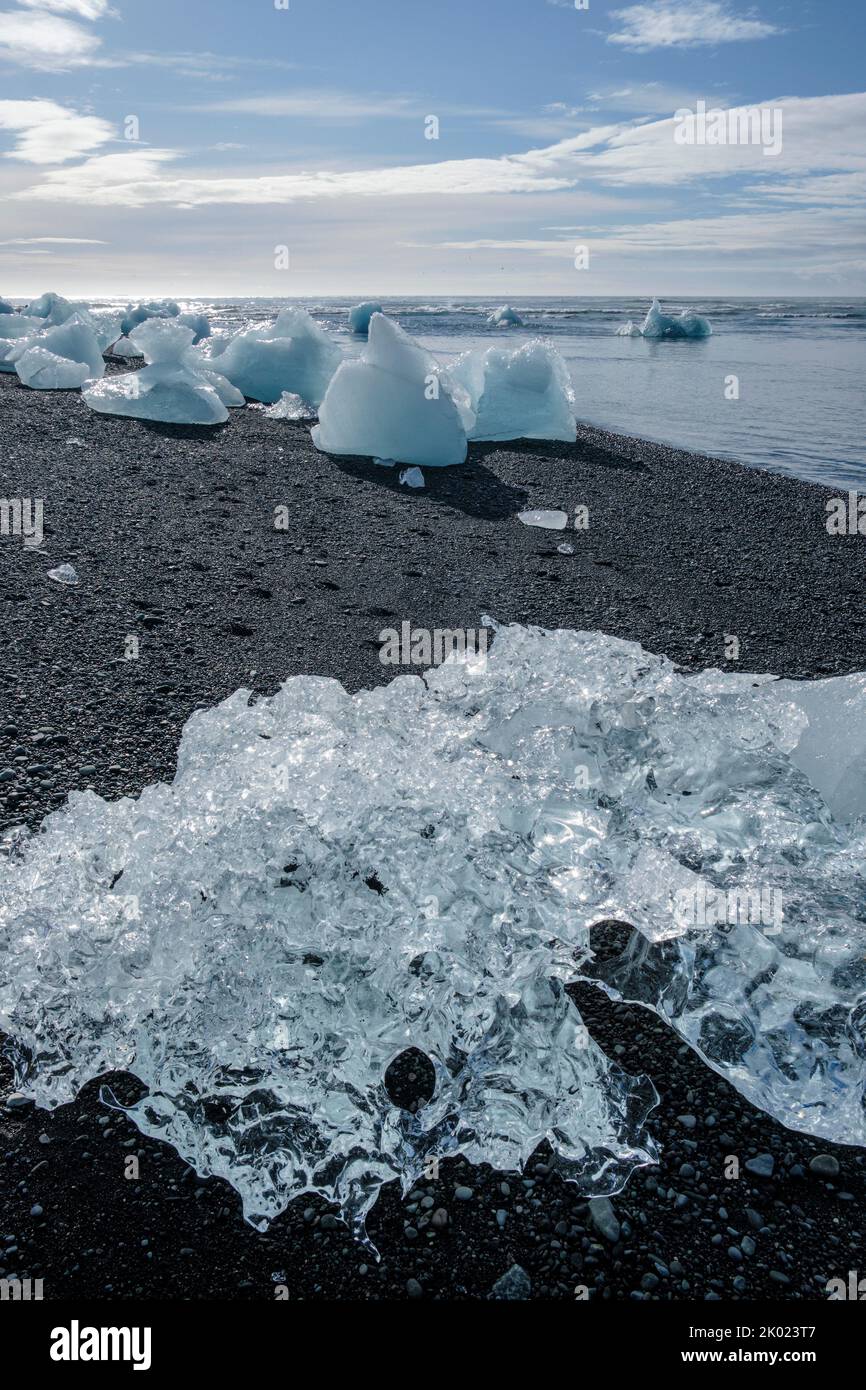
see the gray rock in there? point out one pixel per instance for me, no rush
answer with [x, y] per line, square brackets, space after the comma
[414, 1289]
[762, 1166]
[514, 1285]
[825, 1165]
[603, 1218]
[464, 1194]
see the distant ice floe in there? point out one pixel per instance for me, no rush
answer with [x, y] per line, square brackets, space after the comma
[361, 314]
[505, 317]
[62, 357]
[292, 354]
[332, 878]
[526, 393]
[394, 402]
[178, 384]
[657, 324]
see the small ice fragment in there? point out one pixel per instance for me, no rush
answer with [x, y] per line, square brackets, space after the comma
[412, 477]
[290, 407]
[76, 442]
[565, 549]
[385, 463]
[550, 521]
[124, 347]
[64, 574]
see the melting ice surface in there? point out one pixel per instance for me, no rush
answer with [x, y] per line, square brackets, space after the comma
[333, 878]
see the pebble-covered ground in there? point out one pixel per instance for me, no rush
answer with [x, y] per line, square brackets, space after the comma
[172, 534]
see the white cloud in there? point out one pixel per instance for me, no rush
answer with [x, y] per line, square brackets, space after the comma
[49, 133]
[318, 105]
[821, 136]
[85, 9]
[35, 39]
[684, 24]
[53, 241]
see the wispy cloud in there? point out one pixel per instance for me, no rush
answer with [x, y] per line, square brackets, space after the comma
[684, 24]
[48, 133]
[823, 135]
[36, 39]
[84, 9]
[53, 241]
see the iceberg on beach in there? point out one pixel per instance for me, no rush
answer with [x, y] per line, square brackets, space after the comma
[14, 328]
[52, 310]
[526, 393]
[177, 385]
[62, 357]
[50, 306]
[394, 402]
[292, 354]
[657, 324]
[359, 317]
[504, 317]
[6, 307]
[331, 878]
[135, 314]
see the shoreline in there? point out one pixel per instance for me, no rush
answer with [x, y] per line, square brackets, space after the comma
[171, 529]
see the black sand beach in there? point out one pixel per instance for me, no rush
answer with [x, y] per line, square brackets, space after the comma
[171, 530]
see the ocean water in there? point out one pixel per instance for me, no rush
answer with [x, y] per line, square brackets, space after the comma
[800, 363]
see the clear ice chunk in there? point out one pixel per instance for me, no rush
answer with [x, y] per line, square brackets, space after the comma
[64, 574]
[554, 520]
[332, 878]
[290, 407]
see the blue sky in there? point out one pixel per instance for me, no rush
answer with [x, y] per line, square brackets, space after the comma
[304, 127]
